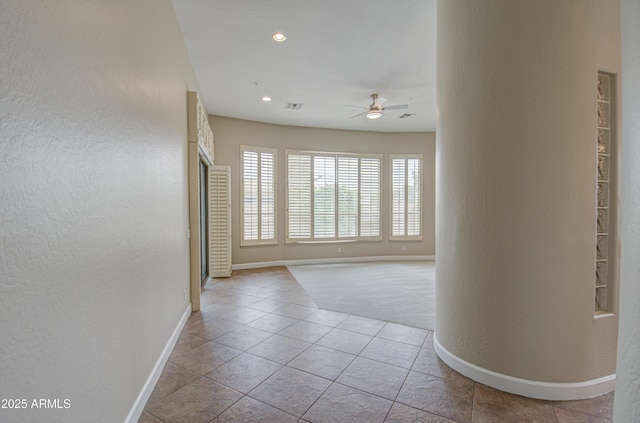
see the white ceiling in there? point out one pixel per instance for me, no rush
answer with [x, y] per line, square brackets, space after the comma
[337, 53]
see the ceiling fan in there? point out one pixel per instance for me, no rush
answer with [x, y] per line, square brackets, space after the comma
[374, 111]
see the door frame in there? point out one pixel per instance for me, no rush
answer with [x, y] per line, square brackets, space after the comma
[195, 154]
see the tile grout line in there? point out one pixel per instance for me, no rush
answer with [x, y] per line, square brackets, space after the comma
[473, 402]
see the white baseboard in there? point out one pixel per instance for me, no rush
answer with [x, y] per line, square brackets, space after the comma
[147, 389]
[333, 260]
[525, 387]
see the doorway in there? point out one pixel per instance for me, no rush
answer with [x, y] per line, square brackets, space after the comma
[204, 224]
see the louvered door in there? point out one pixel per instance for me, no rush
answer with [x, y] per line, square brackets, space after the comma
[219, 221]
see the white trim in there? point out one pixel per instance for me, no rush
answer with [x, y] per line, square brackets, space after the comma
[204, 155]
[147, 388]
[330, 261]
[528, 388]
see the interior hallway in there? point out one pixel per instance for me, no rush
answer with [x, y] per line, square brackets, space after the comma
[260, 350]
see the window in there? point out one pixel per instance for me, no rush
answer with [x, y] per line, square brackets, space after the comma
[406, 204]
[258, 187]
[333, 196]
[606, 205]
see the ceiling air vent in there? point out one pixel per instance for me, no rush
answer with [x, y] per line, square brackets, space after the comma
[294, 106]
[406, 115]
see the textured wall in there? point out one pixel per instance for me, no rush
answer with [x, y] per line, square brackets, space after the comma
[627, 399]
[231, 133]
[516, 196]
[93, 194]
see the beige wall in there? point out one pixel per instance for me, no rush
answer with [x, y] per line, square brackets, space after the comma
[93, 191]
[231, 133]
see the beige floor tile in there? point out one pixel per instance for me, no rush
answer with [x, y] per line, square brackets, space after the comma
[428, 362]
[362, 325]
[243, 338]
[443, 397]
[206, 357]
[491, 405]
[242, 315]
[272, 323]
[321, 361]
[344, 404]
[305, 331]
[405, 334]
[326, 317]
[391, 352]
[210, 329]
[172, 379]
[148, 418]
[601, 406]
[401, 413]
[570, 416]
[291, 390]
[244, 372]
[249, 410]
[345, 340]
[280, 349]
[187, 342]
[374, 377]
[295, 311]
[267, 305]
[199, 402]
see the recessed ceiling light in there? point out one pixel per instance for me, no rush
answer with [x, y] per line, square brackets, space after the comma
[279, 37]
[266, 99]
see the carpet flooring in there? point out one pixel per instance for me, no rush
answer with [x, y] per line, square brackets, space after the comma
[399, 292]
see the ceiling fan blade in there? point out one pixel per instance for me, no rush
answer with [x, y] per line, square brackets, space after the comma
[396, 107]
[380, 101]
[359, 114]
[359, 107]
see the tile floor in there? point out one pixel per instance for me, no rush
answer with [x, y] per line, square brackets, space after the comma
[261, 351]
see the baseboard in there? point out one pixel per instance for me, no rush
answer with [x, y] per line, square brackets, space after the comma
[333, 260]
[147, 389]
[525, 387]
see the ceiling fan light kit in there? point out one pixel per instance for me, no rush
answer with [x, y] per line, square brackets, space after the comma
[374, 114]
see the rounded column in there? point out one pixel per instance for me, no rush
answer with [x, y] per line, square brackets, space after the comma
[516, 176]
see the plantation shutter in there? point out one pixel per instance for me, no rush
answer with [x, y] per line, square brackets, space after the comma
[299, 196]
[406, 204]
[219, 221]
[347, 197]
[369, 197]
[333, 196]
[267, 196]
[398, 179]
[258, 193]
[324, 199]
[251, 199]
[413, 197]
